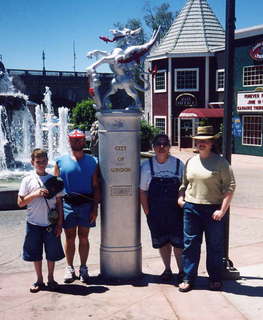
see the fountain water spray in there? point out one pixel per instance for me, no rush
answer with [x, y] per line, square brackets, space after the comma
[50, 124]
[3, 140]
[38, 130]
[19, 134]
[63, 143]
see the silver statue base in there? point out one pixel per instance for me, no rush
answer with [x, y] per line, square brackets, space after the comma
[119, 159]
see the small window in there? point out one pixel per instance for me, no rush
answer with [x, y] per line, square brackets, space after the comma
[160, 81]
[252, 130]
[186, 80]
[220, 80]
[253, 76]
[160, 123]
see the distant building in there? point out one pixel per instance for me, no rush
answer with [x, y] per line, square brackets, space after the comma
[189, 84]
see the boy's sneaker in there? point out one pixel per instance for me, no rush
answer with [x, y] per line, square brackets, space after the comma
[69, 275]
[83, 274]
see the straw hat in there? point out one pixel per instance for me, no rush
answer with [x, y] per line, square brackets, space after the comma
[204, 133]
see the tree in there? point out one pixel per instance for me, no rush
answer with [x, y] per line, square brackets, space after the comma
[147, 134]
[131, 24]
[153, 18]
[159, 16]
[83, 115]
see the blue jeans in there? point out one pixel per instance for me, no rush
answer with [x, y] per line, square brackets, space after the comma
[198, 220]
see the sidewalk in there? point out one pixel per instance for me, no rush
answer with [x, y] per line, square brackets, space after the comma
[146, 298]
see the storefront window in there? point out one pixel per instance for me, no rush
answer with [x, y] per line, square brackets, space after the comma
[253, 76]
[160, 123]
[252, 130]
[160, 81]
[220, 79]
[186, 80]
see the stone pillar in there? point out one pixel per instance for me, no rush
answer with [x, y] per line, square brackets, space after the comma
[119, 159]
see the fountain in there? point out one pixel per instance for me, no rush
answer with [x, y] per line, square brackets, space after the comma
[20, 133]
[16, 125]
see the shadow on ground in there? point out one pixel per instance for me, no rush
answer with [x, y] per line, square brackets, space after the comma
[78, 290]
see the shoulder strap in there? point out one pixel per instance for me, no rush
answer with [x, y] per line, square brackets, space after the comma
[42, 186]
[151, 166]
[177, 166]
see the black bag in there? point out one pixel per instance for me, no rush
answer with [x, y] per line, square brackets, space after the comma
[77, 199]
[53, 215]
[54, 185]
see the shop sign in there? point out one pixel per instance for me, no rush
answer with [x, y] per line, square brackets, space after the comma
[236, 127]
[256, 53]
[250, 102]
[186, 100]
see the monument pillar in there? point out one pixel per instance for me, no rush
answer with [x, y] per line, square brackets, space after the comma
[119, 159]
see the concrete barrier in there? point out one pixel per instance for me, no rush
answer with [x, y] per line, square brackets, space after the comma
[8, 199]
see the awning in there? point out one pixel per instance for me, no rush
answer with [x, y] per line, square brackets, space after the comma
[202, 113]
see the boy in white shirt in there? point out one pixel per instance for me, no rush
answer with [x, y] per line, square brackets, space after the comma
[39, 231]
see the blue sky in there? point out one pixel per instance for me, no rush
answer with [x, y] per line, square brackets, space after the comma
[27, 27]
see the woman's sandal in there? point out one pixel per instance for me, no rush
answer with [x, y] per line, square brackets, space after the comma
[185, 286]
[52, 285]
[37, 286]
[215, 285]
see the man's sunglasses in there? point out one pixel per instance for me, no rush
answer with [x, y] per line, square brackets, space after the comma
[158, 144]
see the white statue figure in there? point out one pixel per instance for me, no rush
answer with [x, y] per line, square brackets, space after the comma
[122, 62]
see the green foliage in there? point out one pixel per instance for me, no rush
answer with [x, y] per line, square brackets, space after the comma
[153, 18]
[83, 115]
[147, 134]
[132, 24]
[158, 16]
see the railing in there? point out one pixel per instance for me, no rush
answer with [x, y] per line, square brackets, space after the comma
[50, 73]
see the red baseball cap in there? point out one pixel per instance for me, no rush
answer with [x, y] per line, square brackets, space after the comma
[76, 134]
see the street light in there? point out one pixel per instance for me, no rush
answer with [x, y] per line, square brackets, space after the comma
[230, 272]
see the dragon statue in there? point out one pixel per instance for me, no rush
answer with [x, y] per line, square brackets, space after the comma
[123, 63]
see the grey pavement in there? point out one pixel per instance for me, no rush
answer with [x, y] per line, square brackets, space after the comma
[146, 298]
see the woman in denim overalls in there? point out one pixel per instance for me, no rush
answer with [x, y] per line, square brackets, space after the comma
[160, 182]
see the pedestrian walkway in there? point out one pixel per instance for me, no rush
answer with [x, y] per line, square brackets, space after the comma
[146, 298]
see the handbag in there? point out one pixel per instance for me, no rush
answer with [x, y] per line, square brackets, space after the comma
[52, 214]
[78, 199]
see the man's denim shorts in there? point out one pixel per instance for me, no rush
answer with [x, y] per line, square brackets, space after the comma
[38, 237]
[77, 216]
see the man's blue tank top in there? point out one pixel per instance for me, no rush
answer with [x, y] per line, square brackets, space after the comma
[77, 175]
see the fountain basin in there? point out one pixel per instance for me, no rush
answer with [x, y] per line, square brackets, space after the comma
[8, 193]
[12, 102]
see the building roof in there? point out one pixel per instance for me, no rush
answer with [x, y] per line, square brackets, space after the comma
[195, 30]
[201, 113]
[249, 32]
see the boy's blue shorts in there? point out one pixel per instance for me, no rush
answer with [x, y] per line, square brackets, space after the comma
[38, 237]
[77, 216]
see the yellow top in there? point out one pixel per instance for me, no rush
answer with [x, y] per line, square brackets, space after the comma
[205, 181]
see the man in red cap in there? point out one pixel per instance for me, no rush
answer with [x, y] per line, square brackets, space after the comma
[79, 172]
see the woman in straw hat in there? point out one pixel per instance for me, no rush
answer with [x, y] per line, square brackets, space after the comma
[161, 178]
[205, 195]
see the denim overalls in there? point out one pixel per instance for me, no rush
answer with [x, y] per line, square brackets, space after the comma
[165, 217]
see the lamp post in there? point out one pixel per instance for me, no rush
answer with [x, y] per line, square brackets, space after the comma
[43, 59]
[229, 271]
